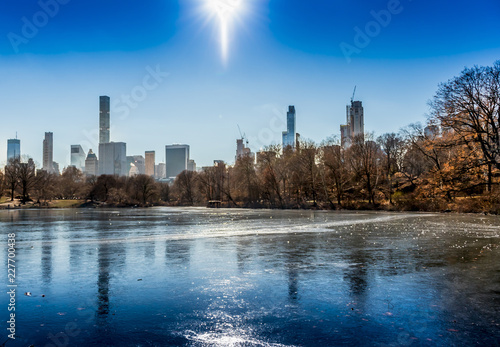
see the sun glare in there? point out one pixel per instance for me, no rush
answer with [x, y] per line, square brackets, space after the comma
[225, 12]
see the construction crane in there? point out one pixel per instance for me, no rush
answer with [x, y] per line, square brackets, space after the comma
[353, 93]
[243, 136]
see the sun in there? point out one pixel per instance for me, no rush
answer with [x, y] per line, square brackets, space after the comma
[225, 12]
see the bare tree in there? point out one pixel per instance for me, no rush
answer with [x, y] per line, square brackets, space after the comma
[26, 175]
[185, 184]
[470, 105]
[143, 188]
[45, 186]
[306, 156]
[364, 157]
[392, 145]
[245, 179]
[102, 187]
[207, 183]
[164, 191]
[12, 176]
[71, 183]
[337, 175]
[267, 170]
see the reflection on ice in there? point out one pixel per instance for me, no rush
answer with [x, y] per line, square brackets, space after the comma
[198, 277]
[229, 339]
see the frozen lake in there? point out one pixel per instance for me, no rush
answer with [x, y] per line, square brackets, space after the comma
[206, 277]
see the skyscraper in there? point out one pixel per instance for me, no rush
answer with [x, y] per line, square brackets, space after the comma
[242, 150]
[48, 152]
[160, 171]
[289, 135]
[345, 134]
[356, 118]
[191, 165]
[55, 168]
[355, 122]
[113, 159]
[91, 164]
[104, 119]
[13, 149]
[78, 157]
[176, 159]
[150, 163]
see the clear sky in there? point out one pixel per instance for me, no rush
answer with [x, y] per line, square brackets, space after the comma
[58, 56]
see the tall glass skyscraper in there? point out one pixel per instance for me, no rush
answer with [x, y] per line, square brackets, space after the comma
[104, 119]
[13, 149]
[48, 152]
[289, 136]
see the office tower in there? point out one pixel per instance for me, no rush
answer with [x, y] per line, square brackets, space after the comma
[78, 157]
[150, 163]
[191, 166]
[176, 159]
[160, 171]
[136, 161]
[104, 120]
[48, 152]
[91, 164]
[289, 135]
[113, 159]
[13, 149]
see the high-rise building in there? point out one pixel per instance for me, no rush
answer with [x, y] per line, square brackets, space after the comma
[284, 136]
[160, 171]
[355, 122]
[191, 166]
[113, 159]
[242, 150]
[356, 118]
[345, 135]
[150, 163]
[176, 159]
[78, 157]
[104, 119]
[48, 152]
[91, 164]
[13, 149]
[55, 168]
[138, 162]
[289, 136]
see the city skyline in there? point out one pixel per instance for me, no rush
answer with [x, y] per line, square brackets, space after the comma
[160, 63]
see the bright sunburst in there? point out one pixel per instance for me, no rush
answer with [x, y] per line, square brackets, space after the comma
[225, 13]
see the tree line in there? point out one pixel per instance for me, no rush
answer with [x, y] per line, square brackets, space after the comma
[451, 162]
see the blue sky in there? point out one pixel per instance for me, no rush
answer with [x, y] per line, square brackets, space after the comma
[281, 52]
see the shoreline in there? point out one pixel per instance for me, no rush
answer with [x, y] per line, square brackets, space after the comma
[80, 204]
